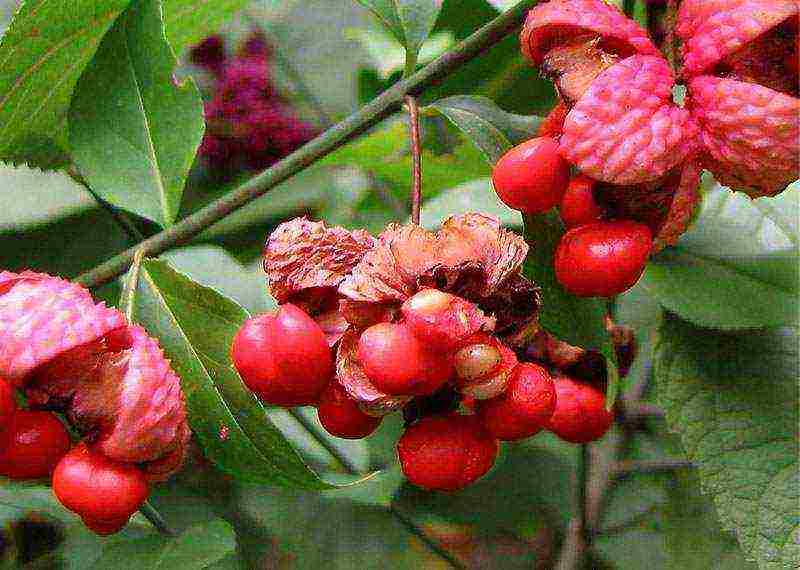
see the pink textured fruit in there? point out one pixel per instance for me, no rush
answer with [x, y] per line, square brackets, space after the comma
[602, 259]
[532, 176]
[283, 357]
[558, 21]
[626, 129]
[580, 415]
[524, 409]
[43, 316]
[714, 29]
[750, 133]
[446, 453]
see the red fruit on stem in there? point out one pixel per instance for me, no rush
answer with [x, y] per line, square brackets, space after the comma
[104, 493]
[283, 357]
[340, 415]
[578, 206]
[602, 259]
[397, 363]
[483, 365]
[524, 409]
[532, 176]
[35, 443]
[580, 415]
[446, 453]
[441, 320]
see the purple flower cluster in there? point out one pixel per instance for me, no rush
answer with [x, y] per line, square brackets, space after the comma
[248, 124]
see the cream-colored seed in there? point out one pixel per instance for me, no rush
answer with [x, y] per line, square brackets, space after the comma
[476, 361]
[428, 301]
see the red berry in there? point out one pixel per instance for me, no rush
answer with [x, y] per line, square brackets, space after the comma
[36, 442]
[446, 453]
[8, 406]
[578, 206]
[524, 408]
[283, 357]
[397, 363]
[483, 365]
[340, 415]
[441, 320]
[602, 259]
[531, 177]
[580, 415]
[104, 493]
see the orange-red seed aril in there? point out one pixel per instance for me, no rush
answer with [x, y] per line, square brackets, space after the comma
[602, 259]
[341, 416]
[532, 176]
[283, 357]
[580, 415]
[446, 453]
[35, 442]
[578, 206]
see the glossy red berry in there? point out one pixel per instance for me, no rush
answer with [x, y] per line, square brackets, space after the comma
[441, 320]
[446, 453]
[341, 416]
[578, 206]
[524, 409]
[8, 406]
[397, 363]
[283, 357]
[580, 415]
[532, 176]
[104, 493]
[602, 259]
[483, 365]
[34, 444]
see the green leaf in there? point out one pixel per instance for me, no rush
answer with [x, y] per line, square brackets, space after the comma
[134, 131]
[411, 21]
[732, 398]
[736, 268]
[195, 326]
[491, 129]
[576, 320]
[188, 21]
[474, 196]
[42, 55]
[198, 547]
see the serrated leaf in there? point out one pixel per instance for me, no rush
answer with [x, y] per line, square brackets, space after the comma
[736, 268]
[732, 398]
[491, 129]
[576, 320]
[42, 55]
[410, 21]
[134, 130]
[198, 547]
[195, 326]
[188, 21]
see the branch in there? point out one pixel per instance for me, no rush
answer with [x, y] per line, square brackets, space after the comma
[368, 116]
[155, 518]
[416, 155]
[622, 468]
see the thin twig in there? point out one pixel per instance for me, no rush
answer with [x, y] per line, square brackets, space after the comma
[416, 155]
[434, 546]
[155, 518]
[622, 468]
[344, 131]
[580, 531]
[629, 523]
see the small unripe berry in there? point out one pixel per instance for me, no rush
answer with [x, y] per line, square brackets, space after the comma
[341, 416]
[397, 363]
[602, 259]
[34, 444]
[283, 357]
[483, 365]
[580, 415]
[524, 409]
[532, 176]
[578, 206]
[446, 453]
[104, 493]
[441, 320]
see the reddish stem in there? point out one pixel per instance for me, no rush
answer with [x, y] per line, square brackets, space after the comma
[416, 155]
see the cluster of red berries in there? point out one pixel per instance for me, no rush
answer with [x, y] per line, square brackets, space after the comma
[36, 445]
[249, 124]
[464, 388]
[597, 257]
